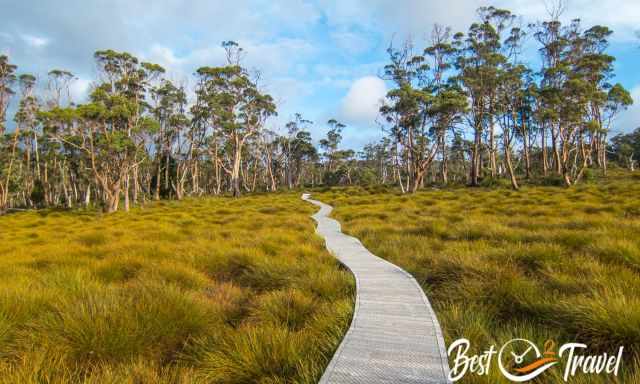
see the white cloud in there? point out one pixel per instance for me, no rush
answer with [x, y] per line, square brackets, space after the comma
[287, 90]
[362, 102]
[620, 15]
[278, 56]
[164, 56]
[294, 13]
[270, 57]
[79, 90]
[352, 42]
[35, 41]
[408, 17]
[416, 17]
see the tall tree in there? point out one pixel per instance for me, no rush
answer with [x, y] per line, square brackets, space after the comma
[236, 107]
[110, 129]
[7, 79]
[26, 124]
[448, 101]
[8, 147]
[331, 142]
[479, 62]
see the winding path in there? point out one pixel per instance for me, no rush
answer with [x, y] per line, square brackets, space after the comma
[394, 336]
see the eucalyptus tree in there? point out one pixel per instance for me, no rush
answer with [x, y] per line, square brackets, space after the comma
[8, 147]
[553, 73]
[449, 102]
[58, 166]
[7, 80]
[270, 143]
[405, 112]
[169, 110]
[295, 146]
[26, 124]
[304, 156]
[479, 64]
[618, 100]
[181, 139]
[423, 106]
[606, 101]
[236, 108]
[346, 166]
[330, 143]
[110, 129]
[625, 147]
[511, 103]
[511, 114]
[577, 95]
[58, 86]
[376, 158]
[461, 149]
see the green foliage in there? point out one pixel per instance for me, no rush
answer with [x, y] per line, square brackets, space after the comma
[335, 177]
[590, 175]
[7, 79]
[552, 181]
[365, 176]
[491, 182]
[37, 194]
[626, 147]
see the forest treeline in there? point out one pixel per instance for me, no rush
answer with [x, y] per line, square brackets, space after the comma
[467, 108]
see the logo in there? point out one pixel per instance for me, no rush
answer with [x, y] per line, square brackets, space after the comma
[520, 360]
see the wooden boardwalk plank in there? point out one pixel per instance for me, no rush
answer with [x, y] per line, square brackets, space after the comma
[394, 335]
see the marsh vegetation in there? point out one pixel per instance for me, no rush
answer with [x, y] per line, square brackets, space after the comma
[206, 290]
[542, 263]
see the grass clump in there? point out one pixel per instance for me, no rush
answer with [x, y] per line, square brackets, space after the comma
[543, 262]
[204, 290]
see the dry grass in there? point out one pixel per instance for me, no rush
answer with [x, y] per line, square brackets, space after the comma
[544, 262]
[206, 290]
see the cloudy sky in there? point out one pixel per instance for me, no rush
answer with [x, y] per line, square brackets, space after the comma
[321, 58]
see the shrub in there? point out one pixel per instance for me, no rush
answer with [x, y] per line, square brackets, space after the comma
[495, 182]
[552, 181]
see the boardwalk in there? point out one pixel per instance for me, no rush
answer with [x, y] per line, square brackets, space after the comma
[394, 336]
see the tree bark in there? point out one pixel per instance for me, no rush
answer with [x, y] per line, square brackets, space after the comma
[113, 199]
[545, 164]
[525, 145]
[444, 166]
[235, 173]
[475, 157]
[156, 194]
[492, 149]
[126, 193]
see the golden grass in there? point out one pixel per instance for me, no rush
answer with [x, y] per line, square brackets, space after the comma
[205, 290]
[544, 262]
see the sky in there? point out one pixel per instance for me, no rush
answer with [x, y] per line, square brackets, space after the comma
[320, 58]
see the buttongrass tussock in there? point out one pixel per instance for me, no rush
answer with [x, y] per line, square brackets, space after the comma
[543, 262]
[204, 290]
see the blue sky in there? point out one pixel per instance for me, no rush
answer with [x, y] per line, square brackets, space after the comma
[320, 58]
